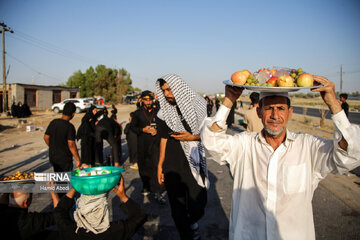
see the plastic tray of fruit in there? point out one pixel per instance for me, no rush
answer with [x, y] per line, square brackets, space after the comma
[18, 177]
[273, 80]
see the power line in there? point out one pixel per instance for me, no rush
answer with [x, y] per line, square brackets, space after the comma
[20, 36]
[54, 51]
[50, 45]
[31, 68]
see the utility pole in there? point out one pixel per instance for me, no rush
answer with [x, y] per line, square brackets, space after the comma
[341, 78]
[3, 30]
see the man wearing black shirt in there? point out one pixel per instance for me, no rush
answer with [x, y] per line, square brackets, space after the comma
[17, 222]
[123, 229]
[144, 125]
[60, 137]
[344, 104]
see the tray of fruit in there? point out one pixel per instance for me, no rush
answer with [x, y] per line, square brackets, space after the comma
[18, 177]
[273, 80]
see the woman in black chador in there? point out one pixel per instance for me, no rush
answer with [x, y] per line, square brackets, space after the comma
[86, 133]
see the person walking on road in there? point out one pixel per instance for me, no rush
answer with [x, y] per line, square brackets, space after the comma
[182, 164]
[277, 171]
[131, 139]
[60, 137]
[144, 125]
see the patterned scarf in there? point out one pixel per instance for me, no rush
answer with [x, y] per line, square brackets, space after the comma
[193, 109]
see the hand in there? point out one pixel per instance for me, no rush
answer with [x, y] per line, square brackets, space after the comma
[184, 136]
[84, 165]
[78, 164]
[146, 129]
[327, 92]
[231, 94]
[153, 131]
[160, 176]
[71, 193]
[120, 190]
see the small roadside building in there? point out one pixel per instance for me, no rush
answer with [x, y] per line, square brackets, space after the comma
[38, 97]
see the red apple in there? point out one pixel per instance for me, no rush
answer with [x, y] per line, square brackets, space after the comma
[285, 81]
[262, 69]
[247, 72]
[273, 81]
[305, 80]
[239, 77]
[273, 71]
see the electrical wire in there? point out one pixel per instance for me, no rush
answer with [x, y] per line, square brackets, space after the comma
[31, 68]
[48, 47]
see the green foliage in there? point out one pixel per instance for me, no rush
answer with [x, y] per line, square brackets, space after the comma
[112, 84]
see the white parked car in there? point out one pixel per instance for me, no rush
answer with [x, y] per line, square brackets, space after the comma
[80, 103]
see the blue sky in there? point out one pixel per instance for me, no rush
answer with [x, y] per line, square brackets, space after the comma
[202, 41]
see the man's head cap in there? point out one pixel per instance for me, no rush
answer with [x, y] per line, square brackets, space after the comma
[273, 94]
[147, 95]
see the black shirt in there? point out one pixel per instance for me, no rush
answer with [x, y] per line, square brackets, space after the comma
[142, 118]
[18, 223]
[60, 131]
[147, 144]
[175, 159]
[345, 106]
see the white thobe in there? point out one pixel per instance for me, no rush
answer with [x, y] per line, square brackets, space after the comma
[273, 190]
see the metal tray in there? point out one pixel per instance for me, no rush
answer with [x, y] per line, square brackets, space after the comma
[268, 89]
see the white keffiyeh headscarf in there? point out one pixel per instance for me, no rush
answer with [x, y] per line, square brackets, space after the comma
[92, 213]
[193, 109]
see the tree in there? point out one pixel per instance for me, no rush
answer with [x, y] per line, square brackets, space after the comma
[112, 84]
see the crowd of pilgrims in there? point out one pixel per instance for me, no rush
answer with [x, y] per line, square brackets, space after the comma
[96, 126]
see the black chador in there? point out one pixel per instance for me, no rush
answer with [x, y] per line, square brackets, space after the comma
[86, 133]
[105, 129]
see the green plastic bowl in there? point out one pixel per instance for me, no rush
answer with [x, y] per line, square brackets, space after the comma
[95, 185]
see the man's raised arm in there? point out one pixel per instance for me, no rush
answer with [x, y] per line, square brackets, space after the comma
[327, 92]
[231, 94]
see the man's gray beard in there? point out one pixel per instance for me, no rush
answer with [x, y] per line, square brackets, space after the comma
[272, 132]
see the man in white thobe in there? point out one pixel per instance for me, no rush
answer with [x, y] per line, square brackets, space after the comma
[277, 171]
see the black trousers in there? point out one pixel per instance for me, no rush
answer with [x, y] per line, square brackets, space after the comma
[187, 201]
[132, 146]
[148, 173]
[63, 167]
[88, 150]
